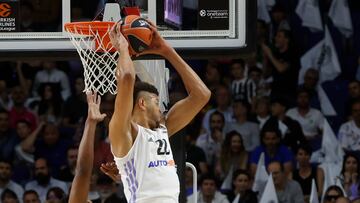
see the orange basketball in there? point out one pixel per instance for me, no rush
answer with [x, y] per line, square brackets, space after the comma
[137, 32]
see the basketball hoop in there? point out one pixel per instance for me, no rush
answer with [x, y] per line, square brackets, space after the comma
[98, 56]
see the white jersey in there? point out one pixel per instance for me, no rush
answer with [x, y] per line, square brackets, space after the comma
[148, 170]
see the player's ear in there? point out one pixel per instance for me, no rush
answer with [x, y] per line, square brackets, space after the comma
[141, 103]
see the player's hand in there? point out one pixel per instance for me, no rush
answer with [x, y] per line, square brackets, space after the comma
[111, 170]
[117, 39]
[158, 44]
[94, 101]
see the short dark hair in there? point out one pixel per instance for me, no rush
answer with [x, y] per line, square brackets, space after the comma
[217, 113]
[7, 161]
[239, 61]
[26, 122]
[277, 162]
[355, 81]
[302, 90]
[143, 86]
[240, 172]
[8, 192]
[208, 176]
[31, 192]
[269, 128]
[305, 147]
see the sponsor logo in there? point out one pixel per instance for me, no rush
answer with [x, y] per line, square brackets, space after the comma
[214, 14]
[5, 10]
[202, 13]
[161, 163]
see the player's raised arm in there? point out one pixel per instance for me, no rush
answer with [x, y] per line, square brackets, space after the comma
[81, 183]
[198, 94]
[120, 124]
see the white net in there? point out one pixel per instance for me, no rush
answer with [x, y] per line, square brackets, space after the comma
[99, 64]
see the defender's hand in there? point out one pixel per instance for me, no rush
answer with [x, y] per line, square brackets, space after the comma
[117, 39]
[94, 101]
[111, 170]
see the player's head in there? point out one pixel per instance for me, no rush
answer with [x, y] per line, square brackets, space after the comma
[146, 101]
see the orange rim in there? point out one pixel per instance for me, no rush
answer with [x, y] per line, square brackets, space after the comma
[86, 28]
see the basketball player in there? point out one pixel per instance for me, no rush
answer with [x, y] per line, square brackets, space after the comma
[139, 133]
[81, 183]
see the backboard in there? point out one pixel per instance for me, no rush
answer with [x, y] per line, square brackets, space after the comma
[196, 28]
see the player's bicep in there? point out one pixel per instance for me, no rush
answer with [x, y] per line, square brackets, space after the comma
[182, 114]
[120, 126]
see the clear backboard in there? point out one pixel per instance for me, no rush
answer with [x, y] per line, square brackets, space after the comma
[196, 28]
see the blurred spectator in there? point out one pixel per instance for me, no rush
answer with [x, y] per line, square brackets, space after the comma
[47, 14]
[284, 65]
[67, 172]
[50, 74]
[354, 95]
[212, 75]
[291, 131]
[350, 176]
[311, 79]
[195, 155]
[332, 193]
[51, 147]
[31, 196]
[273, 151]
[305, 172]
[310, 119]
[5, 179]
[8, 138]
[24, 151]
[262, 111]
[5, 100]
[19, 111]
[43, 180]
[262, 86]
[242, 192]
[287, 191]
[233, 156]
[50, 104]
[222, 105]
[279, 20]
[242, 87]
[26, 14]
[75, 108]
[9, 196]
[248, 130]
[349, 132]
[208, 192]
[211, 142]
[55, 195]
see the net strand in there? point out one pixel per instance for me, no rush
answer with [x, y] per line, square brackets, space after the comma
[99, 64]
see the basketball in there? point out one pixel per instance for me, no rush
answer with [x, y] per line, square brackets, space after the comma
[137, 32]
